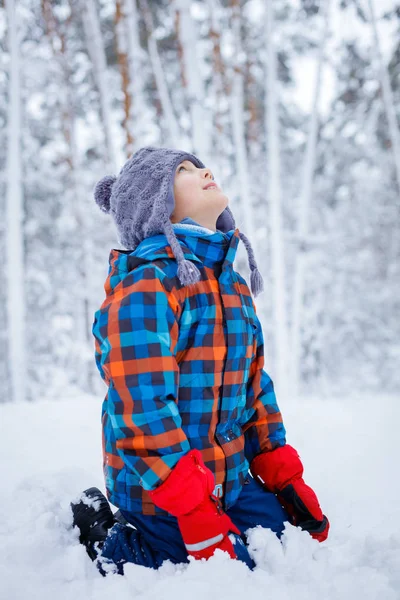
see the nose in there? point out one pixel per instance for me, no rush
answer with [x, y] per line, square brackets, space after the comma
[207, 174]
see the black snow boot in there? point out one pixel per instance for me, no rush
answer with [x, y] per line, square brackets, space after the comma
[93, 517]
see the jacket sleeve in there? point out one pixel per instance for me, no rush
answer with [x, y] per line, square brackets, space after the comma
[264, 429]
[136, 335]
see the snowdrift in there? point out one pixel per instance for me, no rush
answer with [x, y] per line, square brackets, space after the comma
[51, 451]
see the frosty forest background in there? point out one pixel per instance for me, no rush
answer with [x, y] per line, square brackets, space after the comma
[294, 104]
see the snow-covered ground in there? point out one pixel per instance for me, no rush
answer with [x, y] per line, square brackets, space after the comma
[50, 451]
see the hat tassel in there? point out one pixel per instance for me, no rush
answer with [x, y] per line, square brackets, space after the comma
[256, 280]
[187, 272]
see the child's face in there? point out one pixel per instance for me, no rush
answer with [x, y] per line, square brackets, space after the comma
[195, 197]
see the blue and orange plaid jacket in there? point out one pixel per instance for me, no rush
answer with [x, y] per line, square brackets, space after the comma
[184, 368]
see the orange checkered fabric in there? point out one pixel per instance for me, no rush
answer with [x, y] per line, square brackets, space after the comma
[184, 366]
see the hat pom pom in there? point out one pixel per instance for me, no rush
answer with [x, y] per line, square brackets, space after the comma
[102, 192]
[187, 272]
[256, 282]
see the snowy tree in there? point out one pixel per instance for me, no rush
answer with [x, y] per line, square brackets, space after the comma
[309, 165]
[15, 214]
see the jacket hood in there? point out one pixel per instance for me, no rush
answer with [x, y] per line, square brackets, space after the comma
[200, 245]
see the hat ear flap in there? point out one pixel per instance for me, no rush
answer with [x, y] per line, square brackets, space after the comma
[226, 221]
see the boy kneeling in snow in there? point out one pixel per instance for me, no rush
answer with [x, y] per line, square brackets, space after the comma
[189, 409]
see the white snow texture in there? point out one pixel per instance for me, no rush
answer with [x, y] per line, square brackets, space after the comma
[51, 451]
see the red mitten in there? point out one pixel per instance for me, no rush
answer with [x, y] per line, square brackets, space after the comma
[188, 495]
[281, 472]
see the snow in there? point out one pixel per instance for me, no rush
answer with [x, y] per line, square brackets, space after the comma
[51, 451]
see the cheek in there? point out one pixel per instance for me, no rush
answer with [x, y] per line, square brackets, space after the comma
[186, 193]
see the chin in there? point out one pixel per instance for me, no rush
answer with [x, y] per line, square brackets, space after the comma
[218, 203]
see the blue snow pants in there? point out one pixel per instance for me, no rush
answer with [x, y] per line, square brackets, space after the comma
[155, 539]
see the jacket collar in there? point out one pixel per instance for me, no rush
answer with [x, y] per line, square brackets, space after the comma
[213, 249]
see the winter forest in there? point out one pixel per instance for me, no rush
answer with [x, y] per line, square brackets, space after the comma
[295, 106]
[294, 103]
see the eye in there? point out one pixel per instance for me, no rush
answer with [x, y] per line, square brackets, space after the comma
[181, 167]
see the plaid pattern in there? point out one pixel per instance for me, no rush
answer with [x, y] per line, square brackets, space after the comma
[184, 369]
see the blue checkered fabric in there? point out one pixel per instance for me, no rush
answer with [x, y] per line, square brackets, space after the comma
[184, 368]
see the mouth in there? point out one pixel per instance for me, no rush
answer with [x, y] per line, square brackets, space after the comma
[211, 186]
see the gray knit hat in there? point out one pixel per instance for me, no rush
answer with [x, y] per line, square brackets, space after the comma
[141, 201]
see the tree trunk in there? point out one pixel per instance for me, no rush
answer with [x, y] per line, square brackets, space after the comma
[275, 209]
[220, 89]
[97, 54]
[170, 119]
[304, 218]
[15, 212]
[387, 97]
[135, 64]
[201, 126]
[238, 125]
[121, 44]
[81, 314]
